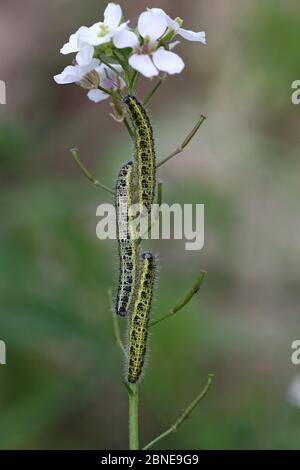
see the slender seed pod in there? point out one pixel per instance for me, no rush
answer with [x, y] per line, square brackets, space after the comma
[139, 320]
[144, 152]
[128, 245]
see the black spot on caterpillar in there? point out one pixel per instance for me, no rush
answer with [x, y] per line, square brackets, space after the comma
[139, 319]
[128, 245]
[144, 151]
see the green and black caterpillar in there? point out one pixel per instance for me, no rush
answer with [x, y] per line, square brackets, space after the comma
[139, 319]
[127, 244]
[145, 165]
[136, 185]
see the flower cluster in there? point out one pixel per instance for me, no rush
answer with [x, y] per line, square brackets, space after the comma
[110, 54]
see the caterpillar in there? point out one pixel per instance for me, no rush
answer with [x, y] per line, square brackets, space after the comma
[144, 152]
[127, 245]
[139, 320]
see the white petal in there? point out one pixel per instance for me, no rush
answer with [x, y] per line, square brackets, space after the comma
[192, 36]
[170, 23]
[73, 45]
[100, 69]
[185, 33]
[157, 10]
[93, 36]
[90, 33]
[112, 15]
[98, 40]
[167, 61]
[121, 27]
[83, 70]
[125, 38]
[85, 55]
[68, 75]
[97, 95]
[143, 64]
[172, 45]
[89, 67]
[152, 24]
[75, 73]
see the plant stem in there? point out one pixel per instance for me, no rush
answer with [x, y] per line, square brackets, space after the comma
[105, 90]
[133, 391]
[127, 125]
[116, 326]
[89, 176]
[183, 302]
[185, 415]
[133, 396]
[133, 82]
[154, 90]
[159, 194]
[184, 143]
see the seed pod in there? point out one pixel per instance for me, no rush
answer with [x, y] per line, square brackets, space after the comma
[139, 319]
[144, 152]
[127, 245]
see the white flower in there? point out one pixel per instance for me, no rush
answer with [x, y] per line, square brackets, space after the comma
[109, 80]
[89, 74]
[149, 59]
[103, 32]
[185, 33]
[74, 42]
[84, 64]
[85, 56]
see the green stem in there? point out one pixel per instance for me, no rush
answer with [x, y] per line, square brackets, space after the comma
[119, 58]
[89, 176]
[183, 302]
[116, 327]
[133, 82]
[108, 92]
[184, 416]
[184, 143]
[154, 90]
[127, 125]
[133, 396]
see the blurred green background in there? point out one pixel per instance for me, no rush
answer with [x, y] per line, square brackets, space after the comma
[61, 387]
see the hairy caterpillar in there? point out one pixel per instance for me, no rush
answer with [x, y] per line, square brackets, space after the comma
[144, 152]
[128, 246]
[139, 320]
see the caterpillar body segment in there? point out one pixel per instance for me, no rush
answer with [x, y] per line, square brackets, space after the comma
[144, 152]
[139, 319]
[127, 244]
